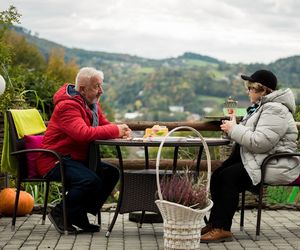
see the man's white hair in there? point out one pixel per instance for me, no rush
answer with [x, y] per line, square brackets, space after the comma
[84, 76]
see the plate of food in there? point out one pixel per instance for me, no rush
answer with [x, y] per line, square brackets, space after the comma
[169, 139]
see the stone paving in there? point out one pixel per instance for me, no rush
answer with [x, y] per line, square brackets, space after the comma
[280, 230]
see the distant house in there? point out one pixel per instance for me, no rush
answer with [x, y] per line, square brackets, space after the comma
[193, 117]
[207, 110]
[176, 108]
[132, 115]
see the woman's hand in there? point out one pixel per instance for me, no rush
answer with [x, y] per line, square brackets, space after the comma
[226, 125]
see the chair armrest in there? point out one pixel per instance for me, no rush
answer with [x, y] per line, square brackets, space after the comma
[24, 151]
[57, 155]
[273, 156]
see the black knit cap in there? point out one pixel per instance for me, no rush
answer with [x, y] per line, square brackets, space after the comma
[264, 77]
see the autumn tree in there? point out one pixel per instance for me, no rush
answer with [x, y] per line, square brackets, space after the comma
[24, 53]
[58, 69]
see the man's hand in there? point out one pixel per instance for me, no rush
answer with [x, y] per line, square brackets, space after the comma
[124, 131]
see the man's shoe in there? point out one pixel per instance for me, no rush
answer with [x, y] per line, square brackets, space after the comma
[83, 223]
[56, 218]
[206, 229]
[216, 235]
[90, 228]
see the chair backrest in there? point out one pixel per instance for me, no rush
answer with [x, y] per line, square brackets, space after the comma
[18, 143]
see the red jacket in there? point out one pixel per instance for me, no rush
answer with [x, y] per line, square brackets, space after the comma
[70, 129]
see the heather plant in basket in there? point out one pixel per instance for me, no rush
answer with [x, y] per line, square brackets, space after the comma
[184, 190]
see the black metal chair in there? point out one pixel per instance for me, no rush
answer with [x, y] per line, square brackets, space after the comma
[19, 151]
[261, 190]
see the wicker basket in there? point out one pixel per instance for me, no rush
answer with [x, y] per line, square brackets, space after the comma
[182, 225]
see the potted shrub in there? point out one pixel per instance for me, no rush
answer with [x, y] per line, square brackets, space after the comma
[185, 189]
[183, 202]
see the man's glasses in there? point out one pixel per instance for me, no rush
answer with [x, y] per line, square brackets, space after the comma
[100, 86]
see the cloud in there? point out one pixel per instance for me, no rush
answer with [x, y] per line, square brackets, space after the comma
[230, 30]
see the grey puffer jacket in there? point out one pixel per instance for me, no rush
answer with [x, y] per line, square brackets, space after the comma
[270, 129]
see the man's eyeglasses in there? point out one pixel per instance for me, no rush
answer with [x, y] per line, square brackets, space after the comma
[100, 86]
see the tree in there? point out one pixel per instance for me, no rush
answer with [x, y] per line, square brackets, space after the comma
[7, 18]
[25, 54]
[58, 69]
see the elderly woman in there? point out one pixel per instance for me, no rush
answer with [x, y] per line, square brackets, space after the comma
[267, 128]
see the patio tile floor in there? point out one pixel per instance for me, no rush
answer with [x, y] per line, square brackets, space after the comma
[280, 230]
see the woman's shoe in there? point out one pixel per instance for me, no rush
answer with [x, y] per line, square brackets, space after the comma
[216, 235]
[206, 229]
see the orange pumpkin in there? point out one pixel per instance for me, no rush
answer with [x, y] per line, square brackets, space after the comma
[7, 202]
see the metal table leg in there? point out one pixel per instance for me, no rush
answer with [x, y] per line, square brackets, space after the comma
[121, 192]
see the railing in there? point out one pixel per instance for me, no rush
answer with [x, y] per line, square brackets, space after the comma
[199, 125]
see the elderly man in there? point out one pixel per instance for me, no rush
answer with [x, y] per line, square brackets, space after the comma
[76, 121]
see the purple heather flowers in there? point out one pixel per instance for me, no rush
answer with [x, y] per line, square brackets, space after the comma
[184, 190]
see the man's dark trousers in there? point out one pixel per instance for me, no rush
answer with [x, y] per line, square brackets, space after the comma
[87, 190]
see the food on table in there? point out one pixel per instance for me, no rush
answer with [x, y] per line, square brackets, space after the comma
[156, 130]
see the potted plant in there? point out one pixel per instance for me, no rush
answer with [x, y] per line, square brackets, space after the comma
[185, 189]
[183, 202]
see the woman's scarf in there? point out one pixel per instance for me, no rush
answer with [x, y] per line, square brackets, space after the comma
[251, 110]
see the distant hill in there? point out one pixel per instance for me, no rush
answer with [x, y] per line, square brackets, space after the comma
[193, 56]
[191, 80]
[84, 56]
[287, 69]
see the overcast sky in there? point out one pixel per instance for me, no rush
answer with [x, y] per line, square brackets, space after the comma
[229, 30]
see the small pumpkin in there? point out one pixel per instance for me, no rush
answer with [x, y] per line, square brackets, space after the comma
[7, 202]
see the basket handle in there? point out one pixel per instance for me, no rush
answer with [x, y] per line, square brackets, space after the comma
[159, 153]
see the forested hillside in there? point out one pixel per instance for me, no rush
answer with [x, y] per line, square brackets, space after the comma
[150, 87]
